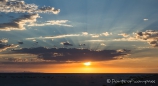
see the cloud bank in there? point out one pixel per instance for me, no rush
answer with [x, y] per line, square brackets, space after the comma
[64, 54]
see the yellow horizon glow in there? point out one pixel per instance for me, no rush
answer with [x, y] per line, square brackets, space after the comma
[137, 65]
[87, 63]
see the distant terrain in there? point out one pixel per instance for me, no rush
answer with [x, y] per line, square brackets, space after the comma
[76, 79]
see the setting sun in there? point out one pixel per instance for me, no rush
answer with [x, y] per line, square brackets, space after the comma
[87, 63]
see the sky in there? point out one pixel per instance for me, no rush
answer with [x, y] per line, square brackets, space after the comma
[59, 36]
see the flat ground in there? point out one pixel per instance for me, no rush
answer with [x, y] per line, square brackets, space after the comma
[44, 79]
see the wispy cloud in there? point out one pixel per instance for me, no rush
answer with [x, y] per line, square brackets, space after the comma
[131, 38]
[82, 34]
[99, 35]
[85, 33]
[54, 37]
[122, 50]
[94, 35]
[124, 34]
[61, 36]
[103, 44]
[107, 34]
[94, 40]
[52, 22]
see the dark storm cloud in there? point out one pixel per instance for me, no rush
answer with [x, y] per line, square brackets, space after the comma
[64, 54]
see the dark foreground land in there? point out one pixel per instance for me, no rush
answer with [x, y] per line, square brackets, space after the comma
[79, 79]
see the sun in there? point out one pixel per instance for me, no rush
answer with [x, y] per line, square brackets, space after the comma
[87, 63]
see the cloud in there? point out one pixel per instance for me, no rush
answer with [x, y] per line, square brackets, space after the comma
[66, 44]
[145, 19]
[52, 22]
[124, 34]
[102, 34]
[95, 35]
[33, 38]
[3, 1]
[62, 36]
[3, 41]
[4, 47]
[21, 7]
[122, 50]
[127, 37]
[103, 44]
[72, 35]
[94, 40]
[54, 37]
[48, 9]
[151, 36]
[18, 24]
[21, 58]
[107, 34]
[12, 59]
[20, 42]
[64, 54]
[82, 44]
[32, 10]
[84, 33]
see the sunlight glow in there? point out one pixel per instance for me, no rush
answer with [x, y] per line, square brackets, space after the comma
[87, 63]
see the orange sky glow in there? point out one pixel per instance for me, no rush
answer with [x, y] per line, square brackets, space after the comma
[112, 66]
